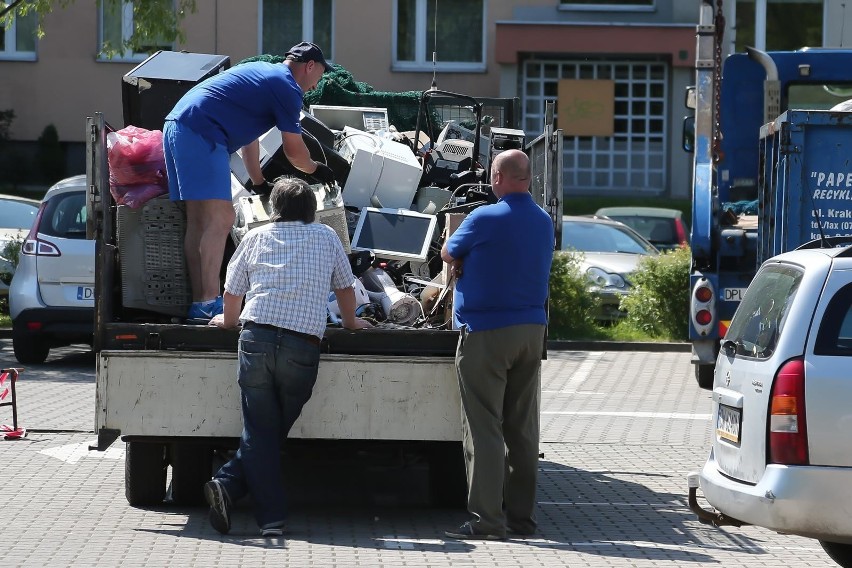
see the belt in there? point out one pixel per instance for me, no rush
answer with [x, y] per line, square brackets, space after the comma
[313, 339]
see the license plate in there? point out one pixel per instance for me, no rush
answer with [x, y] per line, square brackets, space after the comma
[85, 292]
[733, 294]
[728, 423]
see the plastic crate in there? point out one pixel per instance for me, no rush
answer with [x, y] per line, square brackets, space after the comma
[154, 276]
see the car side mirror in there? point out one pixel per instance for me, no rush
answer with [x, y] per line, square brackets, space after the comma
[688, 135]
[690, 98]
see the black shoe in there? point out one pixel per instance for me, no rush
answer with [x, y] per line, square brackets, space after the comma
[217, 498]
[466, 532]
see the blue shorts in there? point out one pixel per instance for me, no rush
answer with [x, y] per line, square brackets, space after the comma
[197, 168]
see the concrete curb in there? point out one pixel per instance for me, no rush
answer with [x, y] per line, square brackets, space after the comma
[563, 345]
[5, 333]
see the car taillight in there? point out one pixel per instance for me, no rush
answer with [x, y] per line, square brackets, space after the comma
[38, 247]
[703, 317]
[680, 231]
[34, 246]
[788, 433]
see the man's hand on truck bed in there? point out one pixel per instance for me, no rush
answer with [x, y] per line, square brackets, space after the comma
[219, 321]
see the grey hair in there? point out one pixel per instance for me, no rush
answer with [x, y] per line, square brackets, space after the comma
[292, 199]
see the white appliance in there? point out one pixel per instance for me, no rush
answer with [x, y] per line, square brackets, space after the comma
[383, 173]
[338, 117]
[270, 142]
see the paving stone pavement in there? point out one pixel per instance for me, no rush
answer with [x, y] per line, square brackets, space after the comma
[620, 430]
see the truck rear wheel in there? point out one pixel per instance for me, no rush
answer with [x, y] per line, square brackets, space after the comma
[447, 479]
[145, 473]
[704, 376]
[192, 466]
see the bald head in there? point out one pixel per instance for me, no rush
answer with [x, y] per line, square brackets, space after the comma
[510, 173]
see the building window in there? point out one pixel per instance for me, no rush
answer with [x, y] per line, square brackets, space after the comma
[288, 22]
[790, 24]
[614, 5]
[454, 32]
[116, 27]
[19, 40]
[634, 158]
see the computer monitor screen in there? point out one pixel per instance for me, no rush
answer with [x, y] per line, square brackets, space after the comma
[394, 234]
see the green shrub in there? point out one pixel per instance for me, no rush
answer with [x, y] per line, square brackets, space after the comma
[571, 304]
[659, 304]
[11, 252]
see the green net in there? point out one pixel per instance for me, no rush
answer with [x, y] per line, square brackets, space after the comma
[339, 88]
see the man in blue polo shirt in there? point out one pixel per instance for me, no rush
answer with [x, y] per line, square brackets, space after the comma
[216, 118]
[501, 257]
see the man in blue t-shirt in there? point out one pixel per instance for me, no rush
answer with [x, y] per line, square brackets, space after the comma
[215, 118]
[500, 256]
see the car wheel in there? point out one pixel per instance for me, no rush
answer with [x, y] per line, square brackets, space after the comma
[839, 552]
[30, 350]
[704, 376]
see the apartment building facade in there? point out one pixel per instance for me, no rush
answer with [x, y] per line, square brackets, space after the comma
[616, 70]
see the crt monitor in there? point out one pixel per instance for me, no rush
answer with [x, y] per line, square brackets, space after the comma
[394, 234]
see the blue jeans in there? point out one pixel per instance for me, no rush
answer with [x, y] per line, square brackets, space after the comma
[276, 376]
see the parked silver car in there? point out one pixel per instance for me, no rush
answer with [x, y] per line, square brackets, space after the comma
[51, 298]
[781, 453]
[16, 217]
[611, 251]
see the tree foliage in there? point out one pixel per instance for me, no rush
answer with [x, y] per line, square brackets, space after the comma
[153, 20]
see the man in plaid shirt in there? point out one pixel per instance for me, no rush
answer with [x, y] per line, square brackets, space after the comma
[284, 269]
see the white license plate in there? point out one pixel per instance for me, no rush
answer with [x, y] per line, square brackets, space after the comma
[85, 292]
[733, 294]
[728, 423]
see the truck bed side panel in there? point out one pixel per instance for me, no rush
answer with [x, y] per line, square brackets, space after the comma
[356, 397]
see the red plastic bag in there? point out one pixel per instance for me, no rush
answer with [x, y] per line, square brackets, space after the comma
[136, 195]
[135, 156]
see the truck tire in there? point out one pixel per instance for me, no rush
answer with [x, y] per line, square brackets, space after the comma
[29, 351]
[704, 376]
[447, 478]
[192, 466]
[839, 552]
[145, 473]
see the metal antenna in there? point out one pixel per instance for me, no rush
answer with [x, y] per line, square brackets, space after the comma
[435, 53]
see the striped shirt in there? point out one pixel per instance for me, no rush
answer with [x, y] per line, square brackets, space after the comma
[286, 271]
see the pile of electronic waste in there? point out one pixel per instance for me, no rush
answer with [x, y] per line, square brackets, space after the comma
[398, 195]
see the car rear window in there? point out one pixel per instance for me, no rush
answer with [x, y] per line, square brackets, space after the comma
[16, 215]
[65, 216]
[835, 331]
[655, 229]
[601, 237]
[760, 317]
